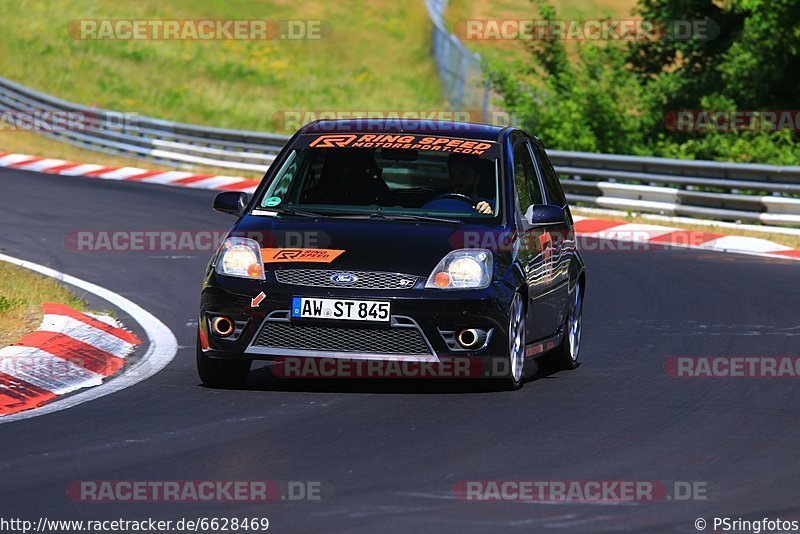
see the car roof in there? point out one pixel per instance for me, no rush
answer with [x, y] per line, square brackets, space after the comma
[466, 130]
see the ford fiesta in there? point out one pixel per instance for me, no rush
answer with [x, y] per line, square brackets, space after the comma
[369, 241]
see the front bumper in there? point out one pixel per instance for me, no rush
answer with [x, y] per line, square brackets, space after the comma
[421, 327]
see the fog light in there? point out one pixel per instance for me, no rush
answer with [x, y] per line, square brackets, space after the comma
[222, 326]
[471, 338]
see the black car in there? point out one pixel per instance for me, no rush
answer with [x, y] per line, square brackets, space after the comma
[369, 240]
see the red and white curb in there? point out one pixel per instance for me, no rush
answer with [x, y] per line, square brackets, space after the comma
[74, 350]
[676, 237]
[127, 174]
[71, 350]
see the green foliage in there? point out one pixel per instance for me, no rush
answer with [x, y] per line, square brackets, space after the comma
[573, 106]
[614, 99]
[753, 57]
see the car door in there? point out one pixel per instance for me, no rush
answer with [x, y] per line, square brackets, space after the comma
[534, 245]
[561, 236]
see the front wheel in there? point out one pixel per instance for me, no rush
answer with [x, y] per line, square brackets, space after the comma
[219, 373]
[515, 365]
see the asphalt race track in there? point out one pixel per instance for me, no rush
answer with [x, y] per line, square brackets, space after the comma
[388, 454]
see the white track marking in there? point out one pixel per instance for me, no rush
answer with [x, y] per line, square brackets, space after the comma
[161, 345]
[43, 164]
[44, 370]
[86, 333]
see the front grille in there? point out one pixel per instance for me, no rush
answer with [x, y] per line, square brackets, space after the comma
[284, 335]
[366, 279]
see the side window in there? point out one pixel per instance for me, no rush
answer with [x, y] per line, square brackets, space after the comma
[280, 186]
[555, 194]
[525, 179]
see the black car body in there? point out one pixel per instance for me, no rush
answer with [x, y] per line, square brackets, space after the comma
[354, 211]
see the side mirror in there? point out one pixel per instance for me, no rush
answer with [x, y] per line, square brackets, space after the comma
[545, 215]
[232, 202]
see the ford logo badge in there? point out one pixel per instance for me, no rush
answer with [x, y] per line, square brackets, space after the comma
[344, 279]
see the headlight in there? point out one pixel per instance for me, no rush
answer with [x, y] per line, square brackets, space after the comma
[462, 269]
[240, 256]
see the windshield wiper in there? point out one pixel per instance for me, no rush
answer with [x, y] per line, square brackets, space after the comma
[406, 217]
[291, 211]
[375, 215]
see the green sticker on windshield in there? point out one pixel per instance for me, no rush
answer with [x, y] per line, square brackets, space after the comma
[271, 201]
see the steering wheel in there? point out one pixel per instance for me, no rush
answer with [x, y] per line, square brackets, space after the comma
[453, 196]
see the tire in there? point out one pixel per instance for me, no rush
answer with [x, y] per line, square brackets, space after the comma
[219, 373]
[565, 356]
[515, 365]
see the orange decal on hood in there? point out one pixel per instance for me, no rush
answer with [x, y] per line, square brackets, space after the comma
[315, 255]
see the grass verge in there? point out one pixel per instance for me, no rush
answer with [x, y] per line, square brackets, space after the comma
[372, 56]
[21, 294]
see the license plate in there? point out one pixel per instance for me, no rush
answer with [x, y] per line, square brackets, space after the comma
[341, 309]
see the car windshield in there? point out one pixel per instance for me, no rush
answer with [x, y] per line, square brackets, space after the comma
[413, 178]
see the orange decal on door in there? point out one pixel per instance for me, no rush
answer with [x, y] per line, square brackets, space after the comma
[546, 241]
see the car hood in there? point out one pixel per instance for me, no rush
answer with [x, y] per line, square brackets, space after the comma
[368, 244]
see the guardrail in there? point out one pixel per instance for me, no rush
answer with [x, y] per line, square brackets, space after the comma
[459, 69]
[723, 191]
[169, 143]
[708, 189]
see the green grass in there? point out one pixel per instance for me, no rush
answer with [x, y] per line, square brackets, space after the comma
[506, 51]
[375, 57]
[21, 294]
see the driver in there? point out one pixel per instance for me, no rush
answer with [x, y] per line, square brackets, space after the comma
[350, 176]
[464, 180]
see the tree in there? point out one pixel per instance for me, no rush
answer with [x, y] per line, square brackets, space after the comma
[744, 54]
[585, 105]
